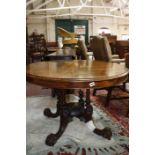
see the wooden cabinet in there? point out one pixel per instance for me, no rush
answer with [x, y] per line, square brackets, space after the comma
[122, 47]
[37, 46]
[112, 41]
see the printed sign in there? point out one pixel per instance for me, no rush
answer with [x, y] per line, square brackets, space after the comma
[80, 29]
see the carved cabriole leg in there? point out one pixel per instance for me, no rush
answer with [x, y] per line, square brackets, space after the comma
[64, 120]
[47, 111]
[106, 132]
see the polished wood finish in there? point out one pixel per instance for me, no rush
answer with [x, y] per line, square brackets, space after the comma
[52, 49]
[37, 47]
[76, 74]
[122, 47]
[82, 110]
[111, 38]
[61, 54]
[112, 41]
[66, 34]
[52, 44]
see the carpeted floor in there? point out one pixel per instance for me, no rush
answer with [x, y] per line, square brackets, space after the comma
[117, 111]
[76, 138]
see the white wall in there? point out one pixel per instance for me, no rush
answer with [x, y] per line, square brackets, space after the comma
[50, 29]
[36, 25]
[47, 26]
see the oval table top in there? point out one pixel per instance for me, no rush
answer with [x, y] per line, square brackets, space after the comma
[76, 74]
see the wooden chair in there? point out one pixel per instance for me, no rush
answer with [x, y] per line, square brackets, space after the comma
[102, 51]
[68, 37]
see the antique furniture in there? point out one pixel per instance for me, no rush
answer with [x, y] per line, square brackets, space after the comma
[75, 74]
[122, 47]
[112, 41]
[68, 37]
[37, 47]
[121, 86]
[82, 51]
[65, 53]
[52, 46]
[102, 51]
[52, 49]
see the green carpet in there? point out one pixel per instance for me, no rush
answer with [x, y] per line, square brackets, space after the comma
[76, 139]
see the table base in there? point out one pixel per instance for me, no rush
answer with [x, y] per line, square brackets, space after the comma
[82, 110]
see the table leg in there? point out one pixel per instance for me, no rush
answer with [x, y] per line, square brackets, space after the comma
[83, 110]
[105, 132]
[47, 111]
[64, 120]
[63, 111]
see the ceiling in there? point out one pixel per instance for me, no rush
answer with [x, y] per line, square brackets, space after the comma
[70, 8]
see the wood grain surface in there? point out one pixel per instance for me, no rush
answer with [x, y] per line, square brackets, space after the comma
[76, 74]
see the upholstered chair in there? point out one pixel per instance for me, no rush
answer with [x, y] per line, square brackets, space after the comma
[102, 51]
[82, 51]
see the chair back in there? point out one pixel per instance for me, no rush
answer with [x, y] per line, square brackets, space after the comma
[68, 37]
[81, 50]
[101, 48]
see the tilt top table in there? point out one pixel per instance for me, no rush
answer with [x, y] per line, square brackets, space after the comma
[61, 54]
[75, 74]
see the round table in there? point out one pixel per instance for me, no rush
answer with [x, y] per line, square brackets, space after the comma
[75, 74]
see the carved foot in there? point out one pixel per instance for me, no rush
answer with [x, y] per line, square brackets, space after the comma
[106, 132]
[48, 113]
[51, 139]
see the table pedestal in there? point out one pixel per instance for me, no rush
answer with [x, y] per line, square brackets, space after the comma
[82, 110]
